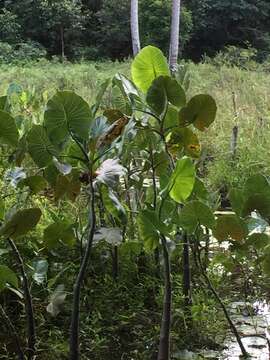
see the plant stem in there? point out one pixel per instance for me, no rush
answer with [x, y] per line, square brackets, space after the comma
[31, 341]
[75, 317]
[154, 183]
[164, 342]
[13, 332]
[232, 326]
[187, 278]
[115, 264]
[207, 244]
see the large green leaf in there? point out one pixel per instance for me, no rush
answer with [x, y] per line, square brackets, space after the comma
[114, 206]
[102, 89]
[4, 103]
[184, 139]
[67, 113]
[60, 232]
[148, 65]
[171, 119]
[39, 146]
[8, 131]
[125, 85]
[35, 183]
[199, 191]
[200, 111]
[230, 227]
[7, 276]
[182, 180]
[256, 193]
[147, 222]
[2, 209]
[69, 186]
[256, 184]
[259, 202]
[165, 89]
[237, 199]
[21, 223]
[196, 213]
[258, 240]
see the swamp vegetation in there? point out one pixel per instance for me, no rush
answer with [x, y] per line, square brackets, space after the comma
[132, 226]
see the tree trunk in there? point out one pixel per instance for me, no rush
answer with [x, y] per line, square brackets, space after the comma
[134, 24]
[62, 43]
[175, 29]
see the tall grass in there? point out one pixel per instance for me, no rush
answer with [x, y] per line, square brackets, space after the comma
[251, 115]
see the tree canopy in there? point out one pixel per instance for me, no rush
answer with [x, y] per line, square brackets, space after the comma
[95, 29]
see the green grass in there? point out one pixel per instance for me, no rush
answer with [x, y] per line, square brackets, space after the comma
[45, 76]
[251, 89]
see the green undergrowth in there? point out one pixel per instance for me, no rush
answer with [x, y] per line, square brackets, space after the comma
[242, 98]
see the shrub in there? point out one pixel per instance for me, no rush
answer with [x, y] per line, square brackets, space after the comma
[235, 56]
[22, 52]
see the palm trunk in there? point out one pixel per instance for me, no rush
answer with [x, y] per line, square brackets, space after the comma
[134, 24]
[75, 318]
[62, 43]
[175, 29]
[164, 342]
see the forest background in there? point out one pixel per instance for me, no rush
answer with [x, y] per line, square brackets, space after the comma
[100, 29]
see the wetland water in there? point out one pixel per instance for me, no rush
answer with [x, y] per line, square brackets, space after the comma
[252, 322]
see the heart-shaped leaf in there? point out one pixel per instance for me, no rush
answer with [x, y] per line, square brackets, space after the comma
[60, 232]
[200, 111]
[182, 180]
[39, 146]
[165, 89]
[7, 276]
[184, 139]
[230, 227]
[35, 183]
[148, 65]
[147, 225]
[67, 113]
[196, 213]
[21, 223]
[8, 130]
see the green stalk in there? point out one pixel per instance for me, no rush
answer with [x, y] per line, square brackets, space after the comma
[31, 341]
[164, 341]
[225, 311]
[75, 317]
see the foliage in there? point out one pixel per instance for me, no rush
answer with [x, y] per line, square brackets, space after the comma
[101, 29]
[116, 183]
[21, 53]
[10, 27]
[236, 56]
[221, 23]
